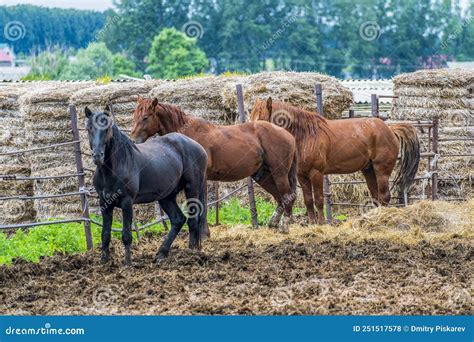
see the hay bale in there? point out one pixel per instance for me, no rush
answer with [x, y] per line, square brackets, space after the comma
[214, 98]
[47, 122]
[296, 88]
[200, 96]
[123, 97]
[12, 138]
[448, 95]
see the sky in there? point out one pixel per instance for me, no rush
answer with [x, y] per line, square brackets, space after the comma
[99, 5]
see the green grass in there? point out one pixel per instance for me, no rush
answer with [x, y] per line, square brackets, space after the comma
[34, 243]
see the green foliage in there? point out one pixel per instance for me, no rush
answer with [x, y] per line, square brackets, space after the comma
[173, 55]
[45, 27]
[93, 62]
[124, 66]
[301, 35]
[47, 65]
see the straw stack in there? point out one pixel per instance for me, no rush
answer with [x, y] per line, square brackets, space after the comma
[47, 122]
[448, 95]
[123, 98]
[214, 98]
[12, 138]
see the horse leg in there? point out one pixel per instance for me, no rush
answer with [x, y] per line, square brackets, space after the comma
[127, 213]
[308, 197]
[288, 197]
[107, 217]
[317, 180]
[371, 179]
[383, 168]
[192, 196]
[177, 219]
[265, 180]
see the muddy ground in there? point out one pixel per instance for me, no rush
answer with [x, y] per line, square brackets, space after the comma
[249, 272]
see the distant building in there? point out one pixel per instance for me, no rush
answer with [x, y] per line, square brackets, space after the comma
[461, 65]
[7, 56]
[11, 68]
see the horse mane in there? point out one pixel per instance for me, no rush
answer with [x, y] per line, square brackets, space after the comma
[299, 122]
[122, 146]
[176, 117]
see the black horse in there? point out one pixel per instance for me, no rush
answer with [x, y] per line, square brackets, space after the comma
[156, 170]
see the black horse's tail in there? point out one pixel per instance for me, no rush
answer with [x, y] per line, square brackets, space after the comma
[202, 217]
[409, 157]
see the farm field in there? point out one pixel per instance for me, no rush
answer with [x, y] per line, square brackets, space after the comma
[414, 260]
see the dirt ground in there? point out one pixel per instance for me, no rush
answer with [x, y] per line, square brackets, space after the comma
[312, 270]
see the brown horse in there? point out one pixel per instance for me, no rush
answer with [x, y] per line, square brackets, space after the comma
[261, 150]
[344, 146]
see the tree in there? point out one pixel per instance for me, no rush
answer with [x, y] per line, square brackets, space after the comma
[124, 66]
[47, 65]
[91, 63]
[173, 54]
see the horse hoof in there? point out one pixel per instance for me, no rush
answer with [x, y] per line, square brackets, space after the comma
[104, 259]
[127, 263]
[161, 256]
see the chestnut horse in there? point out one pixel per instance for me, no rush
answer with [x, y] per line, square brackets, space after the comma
[261, 150]
[344, 146]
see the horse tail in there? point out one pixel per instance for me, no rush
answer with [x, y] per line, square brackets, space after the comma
[409, 157]
[202, 217]
[292, 175]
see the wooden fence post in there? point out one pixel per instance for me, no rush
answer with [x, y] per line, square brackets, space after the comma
[434, 169]
[216, 192]
[374, 105]
[318, 90]
[253, 206]
[80, 177]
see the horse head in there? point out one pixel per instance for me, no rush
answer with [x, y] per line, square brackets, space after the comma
[99, 130]
[145, 122]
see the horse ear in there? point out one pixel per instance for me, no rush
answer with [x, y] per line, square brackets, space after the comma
[139, 99]
[107, 110]
[88, 112]
[154, 102]
[269, 105]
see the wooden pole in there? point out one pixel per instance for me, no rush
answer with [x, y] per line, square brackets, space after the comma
[351, 113]
[434, 169]
[318, 90]
[253, 206]
[80, 177]
[216, 192]
[374, 105]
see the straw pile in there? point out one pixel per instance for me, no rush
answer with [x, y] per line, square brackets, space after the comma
[47, 122]
[12, 138]
[448, 95]
[123, 98]
[296, 88]
[215, 99]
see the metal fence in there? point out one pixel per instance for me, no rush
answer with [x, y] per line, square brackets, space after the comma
[84, 194]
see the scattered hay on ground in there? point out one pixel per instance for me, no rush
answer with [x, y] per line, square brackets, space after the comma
[350, 269]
